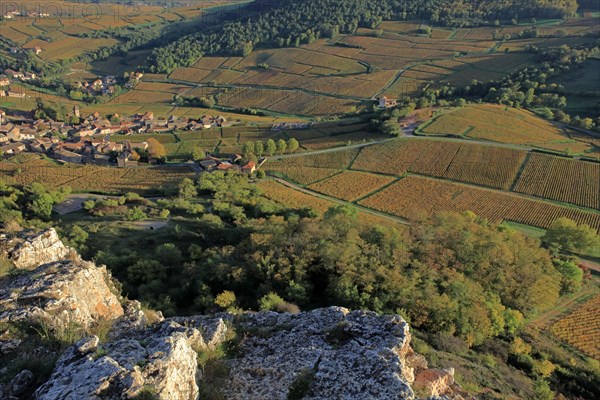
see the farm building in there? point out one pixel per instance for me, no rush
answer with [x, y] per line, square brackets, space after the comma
[384, 102]
[249, 168]
[13, 148]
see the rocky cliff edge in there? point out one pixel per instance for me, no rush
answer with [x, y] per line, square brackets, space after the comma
[329, 353]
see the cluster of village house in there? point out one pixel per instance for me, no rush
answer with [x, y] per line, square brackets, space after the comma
[10, 14]
[90, 141]
[5, 82]
[104, 85]
[231, 163]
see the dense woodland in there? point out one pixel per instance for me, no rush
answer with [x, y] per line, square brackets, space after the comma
[292, 22]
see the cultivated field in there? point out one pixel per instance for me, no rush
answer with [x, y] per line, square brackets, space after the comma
[414, 197]
[358, 66]
[29, 169]
[351, 185]
[484, 165]
[312, 168]
[581, 328]
[301, 174]
[495, 123]
[59, 34]
[563, 179]
[294, 199]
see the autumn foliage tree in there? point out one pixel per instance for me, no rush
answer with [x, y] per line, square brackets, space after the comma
[156, 149]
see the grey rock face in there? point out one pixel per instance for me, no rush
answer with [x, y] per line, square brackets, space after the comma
[59, 293]
[351, 355]
[30, 250]
[161, 358]
[347, 355]
[20, 383]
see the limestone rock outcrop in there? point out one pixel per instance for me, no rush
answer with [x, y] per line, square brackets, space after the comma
[60, 289]
[30, 249]
[160, 360]
[342, 354]
[57, 294]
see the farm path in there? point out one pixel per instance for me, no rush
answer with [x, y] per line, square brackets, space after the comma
[263, 87]
[400, 72]
[342, 202]
[545, 320]
[333, 149]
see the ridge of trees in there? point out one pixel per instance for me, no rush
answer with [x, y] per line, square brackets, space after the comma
[293, 22]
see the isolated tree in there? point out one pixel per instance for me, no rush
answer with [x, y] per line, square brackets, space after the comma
[136, 214]
[187, 189]
[271, 147]
[292, 145]
[281, 146]
[135, 156]
[567, 235]
[168, 254]
[198, 154]
[77, 238]
[390, 127]
[572, 275]
[247, 49]
[39, 201]
[226, 300]
[156, 149]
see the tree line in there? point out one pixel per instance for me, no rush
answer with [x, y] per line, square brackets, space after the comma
[294, 22]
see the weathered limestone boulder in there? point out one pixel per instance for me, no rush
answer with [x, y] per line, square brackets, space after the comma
[60, 293]
[160, 359]
[30, 249]
[350, 355]
[435, 382]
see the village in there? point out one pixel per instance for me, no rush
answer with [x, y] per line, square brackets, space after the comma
[89, 142]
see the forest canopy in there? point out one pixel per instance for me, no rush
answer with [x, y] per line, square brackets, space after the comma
[293, 22]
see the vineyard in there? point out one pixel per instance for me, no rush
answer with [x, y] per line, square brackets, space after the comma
[413, 197]
[351, 185]
[92, 178]
[294, 199]
[312, 168]
[336, 160]
[563, 179]
[301, 174]
[464, 162]
[495, 123]
[581, 328]
[57, 34]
